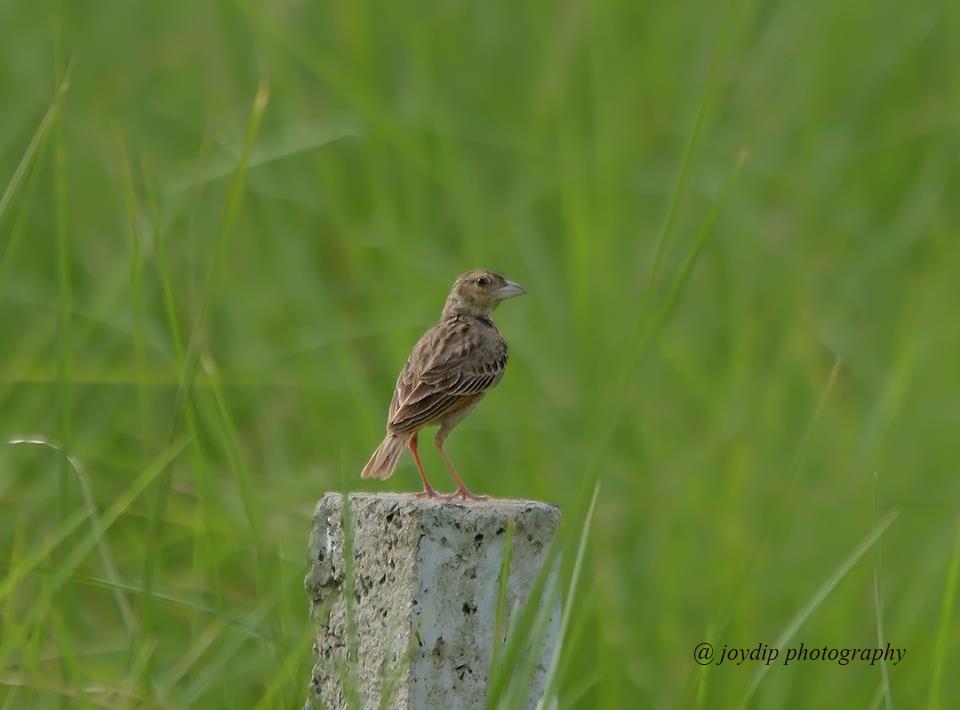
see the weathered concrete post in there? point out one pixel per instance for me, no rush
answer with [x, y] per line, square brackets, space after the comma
[426, 585]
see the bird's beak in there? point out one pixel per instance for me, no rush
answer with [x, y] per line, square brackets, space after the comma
[509, 290]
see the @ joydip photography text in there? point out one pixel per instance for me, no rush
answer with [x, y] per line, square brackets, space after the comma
[706, 654]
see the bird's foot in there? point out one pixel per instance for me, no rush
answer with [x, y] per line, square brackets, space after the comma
[464, 493]
[427, 492]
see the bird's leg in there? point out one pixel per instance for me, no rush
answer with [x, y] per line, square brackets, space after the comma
[462, 492]
[427, 491]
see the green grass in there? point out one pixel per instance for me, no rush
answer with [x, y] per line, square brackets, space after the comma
[223, 225]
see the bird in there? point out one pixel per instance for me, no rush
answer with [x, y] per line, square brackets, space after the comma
[450, 369]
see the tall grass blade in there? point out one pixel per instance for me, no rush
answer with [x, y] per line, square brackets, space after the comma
[552, 679]
[89, 502]
[68, 566]
[499, 624]
[522, 631]
[27, 160]
[944, 627]
[878, 605]
[817, 599]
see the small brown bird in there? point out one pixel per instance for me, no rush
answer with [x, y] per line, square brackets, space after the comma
[449, 370]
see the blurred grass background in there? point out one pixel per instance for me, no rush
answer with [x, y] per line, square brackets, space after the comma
[739, 228]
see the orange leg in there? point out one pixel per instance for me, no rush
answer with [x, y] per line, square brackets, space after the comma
[427, 491]
[462, 492]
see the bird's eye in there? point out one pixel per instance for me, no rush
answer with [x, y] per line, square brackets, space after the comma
[481, 281]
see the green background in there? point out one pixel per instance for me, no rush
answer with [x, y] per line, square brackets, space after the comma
[738, 225]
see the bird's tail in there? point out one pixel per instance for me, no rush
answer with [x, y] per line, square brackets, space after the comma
[385, 458]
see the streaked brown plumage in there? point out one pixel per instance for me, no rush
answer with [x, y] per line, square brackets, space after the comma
[448, 372]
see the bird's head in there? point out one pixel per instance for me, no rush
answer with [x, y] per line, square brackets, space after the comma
[478, 292]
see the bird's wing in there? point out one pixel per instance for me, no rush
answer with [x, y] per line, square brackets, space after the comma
[448, 364]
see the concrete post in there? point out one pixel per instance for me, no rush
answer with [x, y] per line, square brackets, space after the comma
[426, 582]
